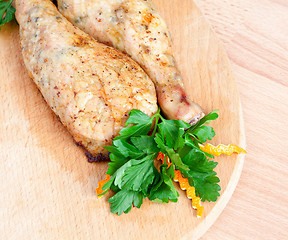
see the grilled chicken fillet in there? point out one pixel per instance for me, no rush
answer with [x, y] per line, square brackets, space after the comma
[90, 86]
[136, 28]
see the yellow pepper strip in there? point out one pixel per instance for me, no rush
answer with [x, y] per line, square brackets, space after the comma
[101, 184]
[217, 151]
[183, 182]
[184, 185]
[190, 191]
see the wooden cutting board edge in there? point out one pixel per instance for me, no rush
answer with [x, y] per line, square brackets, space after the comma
[227, 194]
[222, 201]
[201, 229]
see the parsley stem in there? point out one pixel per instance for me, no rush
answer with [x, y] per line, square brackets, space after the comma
[163, 119]
[157, 115]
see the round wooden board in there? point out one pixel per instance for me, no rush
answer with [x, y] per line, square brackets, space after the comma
[47, 185]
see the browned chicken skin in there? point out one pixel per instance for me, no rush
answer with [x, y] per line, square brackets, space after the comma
[90, 86]
[136, 28]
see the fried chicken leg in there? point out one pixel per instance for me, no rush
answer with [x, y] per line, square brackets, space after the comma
[136, 28]
[90, 86]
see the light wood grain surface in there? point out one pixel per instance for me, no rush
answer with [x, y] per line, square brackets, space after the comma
[255, 35]
[48, 187]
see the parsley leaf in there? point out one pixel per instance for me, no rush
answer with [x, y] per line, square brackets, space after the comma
[133, 173]
[139, 175]
[114, 150]
[201, 175]
[170, 171]
[122, 201]
[207, 189]
[175, 158]
[117, 161]
[204, 133]
[194, 144]
[128, 150]
[163, 190]
[172, 130]
[146, 144]
[120, 173]
[7, 12]
[137, 117]
[205, 120]
[196, 160]
[137, 130]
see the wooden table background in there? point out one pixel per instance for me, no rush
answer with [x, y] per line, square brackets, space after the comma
[255, 35]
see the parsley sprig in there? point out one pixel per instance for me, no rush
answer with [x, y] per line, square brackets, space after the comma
[7, 12]
[134, 175]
